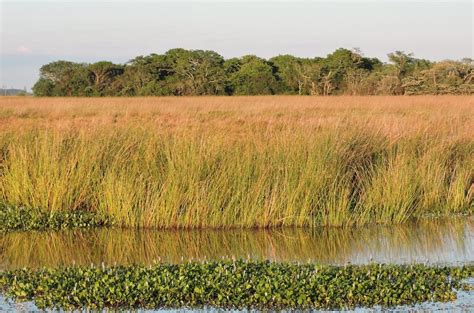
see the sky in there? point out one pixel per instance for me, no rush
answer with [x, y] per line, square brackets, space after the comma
[34, 33]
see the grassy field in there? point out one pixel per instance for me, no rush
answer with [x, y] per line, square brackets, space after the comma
[240, 161]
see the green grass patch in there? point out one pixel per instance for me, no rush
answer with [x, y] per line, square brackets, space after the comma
[235, 284]
[23, 219]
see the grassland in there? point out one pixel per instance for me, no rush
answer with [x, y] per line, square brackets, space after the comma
[240, 162]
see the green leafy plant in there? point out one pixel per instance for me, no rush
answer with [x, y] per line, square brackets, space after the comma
[235, 284]
[20, 218]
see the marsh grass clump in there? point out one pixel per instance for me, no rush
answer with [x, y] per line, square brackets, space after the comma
[260, 162]
[235, 284]
[139, 178]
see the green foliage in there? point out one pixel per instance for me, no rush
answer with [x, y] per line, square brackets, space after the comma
[297, 75]
[446, 77]
[102, 75]
[196, 72]
[63, 78]
[184, 72]
[24, 219]
[254, 77]
[44, 88]
[240, 284]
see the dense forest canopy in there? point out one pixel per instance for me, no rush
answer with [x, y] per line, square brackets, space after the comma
[181, 72]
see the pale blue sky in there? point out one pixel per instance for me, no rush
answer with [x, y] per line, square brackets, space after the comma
[36, 32]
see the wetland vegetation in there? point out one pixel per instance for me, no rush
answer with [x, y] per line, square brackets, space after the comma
[235, 284]
[24, 219]
[135, 176]
[239, 162]
[260, 178]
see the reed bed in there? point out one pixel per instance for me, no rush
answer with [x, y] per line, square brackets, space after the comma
[240, 162]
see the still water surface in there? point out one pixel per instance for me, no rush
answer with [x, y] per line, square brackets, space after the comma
[439, 242]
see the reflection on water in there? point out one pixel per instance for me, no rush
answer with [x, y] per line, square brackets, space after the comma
[441, 241]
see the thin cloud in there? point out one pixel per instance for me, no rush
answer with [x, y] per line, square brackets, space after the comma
[23, 50]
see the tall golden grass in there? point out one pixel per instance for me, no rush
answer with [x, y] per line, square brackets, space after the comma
[240, 161]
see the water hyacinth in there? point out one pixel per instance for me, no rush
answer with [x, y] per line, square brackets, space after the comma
[234, 284]
[24, 219]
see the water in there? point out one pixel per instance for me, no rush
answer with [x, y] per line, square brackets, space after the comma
[438, 242]
[448, 241]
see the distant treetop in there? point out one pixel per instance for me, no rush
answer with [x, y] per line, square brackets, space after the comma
[181, 72]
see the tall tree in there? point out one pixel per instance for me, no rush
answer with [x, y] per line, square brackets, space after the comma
[197, 72]
[65, 78]
[254, 77]
[288, 74]
[102, 75]
[201, 72]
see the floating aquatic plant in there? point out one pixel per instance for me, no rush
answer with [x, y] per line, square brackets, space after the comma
[234, 284]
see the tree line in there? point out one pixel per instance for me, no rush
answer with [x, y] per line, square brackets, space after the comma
[182, 72]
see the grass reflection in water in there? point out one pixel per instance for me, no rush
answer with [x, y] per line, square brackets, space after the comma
[444, 241]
